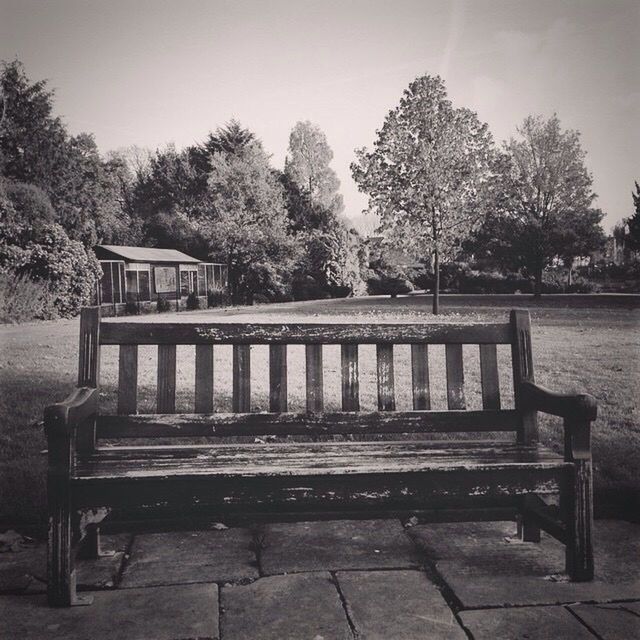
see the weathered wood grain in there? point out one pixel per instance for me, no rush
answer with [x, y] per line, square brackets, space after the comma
[386, 384]
[314, 376]
[166, 392]
[420, 377]
[241, 400]
[275, 491]
[128, 379]
[455, 376]
[204, 378]
[489, 377]
[228, 424]
[350, 377]
[89, 347]
[278, 377]
[522, 358]
[234, 333]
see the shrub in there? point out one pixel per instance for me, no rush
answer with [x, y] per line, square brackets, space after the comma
[132, 308]
[163, 305]
[68, 271]
[217, 298]
[193, 302]
[22, 300]
[385, 284]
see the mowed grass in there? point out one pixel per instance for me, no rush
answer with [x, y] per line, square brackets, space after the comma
[580, 344]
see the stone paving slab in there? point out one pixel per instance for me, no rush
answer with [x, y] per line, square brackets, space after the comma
[403, 605]
[485, 569]
[335, 545]
[292, 607]
[189, 557]
[525, 623]
[25, 570]
[160, 613]
[610, 622]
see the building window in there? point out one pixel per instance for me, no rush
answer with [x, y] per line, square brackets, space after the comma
[112, 283]
[138, 282]
[188, 279]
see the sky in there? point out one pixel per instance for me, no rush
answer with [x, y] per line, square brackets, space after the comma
[146, 73]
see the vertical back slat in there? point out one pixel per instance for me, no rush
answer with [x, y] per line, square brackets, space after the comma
[455, 376]
[315, 393]
[89, 347]
[241, 378]
[350, 377]
[386, 390]
[278, 378]
[522, 360]
[128, 379]
[489, 377]
[420, 377]
[204, 378]
[166, 400]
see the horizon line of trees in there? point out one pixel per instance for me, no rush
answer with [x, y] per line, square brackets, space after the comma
[440, 185]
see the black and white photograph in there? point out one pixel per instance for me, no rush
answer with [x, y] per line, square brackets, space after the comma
[319, 319]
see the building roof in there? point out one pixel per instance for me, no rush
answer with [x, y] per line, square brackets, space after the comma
[147, 254]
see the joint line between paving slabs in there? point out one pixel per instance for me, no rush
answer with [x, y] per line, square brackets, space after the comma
[125, 560]
[345, 605]
[583, 623]
[448, 594]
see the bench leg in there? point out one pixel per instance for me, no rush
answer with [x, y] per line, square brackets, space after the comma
[527, 530]
[577, 510]
[61, 575]
[91, 547]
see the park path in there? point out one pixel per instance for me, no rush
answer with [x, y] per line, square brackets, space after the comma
[346, 580]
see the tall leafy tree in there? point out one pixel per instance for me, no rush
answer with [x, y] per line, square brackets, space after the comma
[543, 210]
[307, 164]
[427, 171]
[634, 221]
[246, 222]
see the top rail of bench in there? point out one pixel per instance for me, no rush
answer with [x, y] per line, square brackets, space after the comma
[298, 333]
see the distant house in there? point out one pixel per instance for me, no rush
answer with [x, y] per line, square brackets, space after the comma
[145, 275]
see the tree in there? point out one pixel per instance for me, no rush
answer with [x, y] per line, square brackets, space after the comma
[543, 206]
[634, 221]
[246, 223]
[427, 172]
[307, 164]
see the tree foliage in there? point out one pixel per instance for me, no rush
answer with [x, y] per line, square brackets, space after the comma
[307, 165]
[634, 221]
[543, 206]
[426, 174]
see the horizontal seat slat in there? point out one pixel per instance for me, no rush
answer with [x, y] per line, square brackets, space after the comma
[309, 459]
[255, 424]
[235, 333]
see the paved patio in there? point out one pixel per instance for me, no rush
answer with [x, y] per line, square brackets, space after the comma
[333, 580]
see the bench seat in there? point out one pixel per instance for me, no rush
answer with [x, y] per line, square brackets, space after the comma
[108, 464]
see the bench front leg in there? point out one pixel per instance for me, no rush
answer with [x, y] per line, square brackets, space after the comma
[61, 423]
[576, 501]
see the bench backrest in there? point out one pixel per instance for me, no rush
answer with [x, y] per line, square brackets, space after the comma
[167, 335]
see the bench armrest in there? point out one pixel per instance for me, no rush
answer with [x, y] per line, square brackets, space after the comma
[61, 418]
[576, 407]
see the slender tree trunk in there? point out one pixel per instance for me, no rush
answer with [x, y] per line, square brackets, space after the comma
[537, 286]
[570, 275]
[436, 289]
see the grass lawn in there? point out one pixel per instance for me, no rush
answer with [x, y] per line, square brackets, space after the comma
[581, 343]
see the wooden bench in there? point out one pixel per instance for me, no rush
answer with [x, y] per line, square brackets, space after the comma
[316, 477]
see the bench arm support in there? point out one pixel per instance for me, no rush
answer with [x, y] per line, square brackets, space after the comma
[580, 406]
[62, 418]
[578, 411]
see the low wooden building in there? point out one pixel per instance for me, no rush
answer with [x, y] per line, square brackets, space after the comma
[144, 275]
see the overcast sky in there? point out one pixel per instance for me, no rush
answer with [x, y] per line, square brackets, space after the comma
[150, 72]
